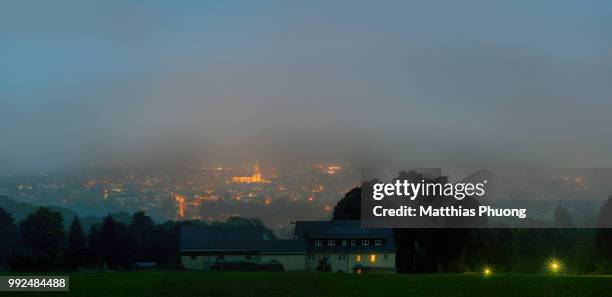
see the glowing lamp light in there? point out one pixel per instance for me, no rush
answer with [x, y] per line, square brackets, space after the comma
[554, 266]
[487, 271]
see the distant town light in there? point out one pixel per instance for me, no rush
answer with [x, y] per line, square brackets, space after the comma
[180, 205]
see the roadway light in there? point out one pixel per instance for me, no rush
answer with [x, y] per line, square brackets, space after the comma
[554, 266]
[487, 271]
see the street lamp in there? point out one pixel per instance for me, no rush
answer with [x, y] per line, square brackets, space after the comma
[554, 266]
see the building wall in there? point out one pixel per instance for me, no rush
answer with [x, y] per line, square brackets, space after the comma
[195, 262]
[345, 262]
[290, 262]
[204, 261]
[340, 262]
[233, 258]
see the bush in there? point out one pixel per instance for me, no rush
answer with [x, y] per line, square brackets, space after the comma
[604, 266]
[30, 260]
[324, 265]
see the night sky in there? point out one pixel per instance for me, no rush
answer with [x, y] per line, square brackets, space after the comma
[433, 83]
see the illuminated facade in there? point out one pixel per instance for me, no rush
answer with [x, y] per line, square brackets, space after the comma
[346, 247]
[254, 178]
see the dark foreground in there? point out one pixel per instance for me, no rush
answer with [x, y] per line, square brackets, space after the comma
[192, 284]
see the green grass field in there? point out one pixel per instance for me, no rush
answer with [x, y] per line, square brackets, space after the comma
[316, 284]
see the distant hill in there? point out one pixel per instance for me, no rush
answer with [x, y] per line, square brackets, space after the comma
[498, 188]
[20, 210]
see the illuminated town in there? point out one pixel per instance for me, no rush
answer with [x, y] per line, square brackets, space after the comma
[207, 192]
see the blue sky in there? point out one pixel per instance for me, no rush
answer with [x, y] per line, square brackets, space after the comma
[453, 83]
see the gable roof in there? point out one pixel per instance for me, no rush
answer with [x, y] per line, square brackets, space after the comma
[221, 238]
[285, 246]
[338, 229]
[349, 230]
[251, 239]
[304, 228]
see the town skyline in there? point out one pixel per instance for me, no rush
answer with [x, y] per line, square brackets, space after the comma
[206, 191]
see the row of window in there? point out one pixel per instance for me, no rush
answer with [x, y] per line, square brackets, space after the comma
[342, 257]
[311, 257]
[352, 242]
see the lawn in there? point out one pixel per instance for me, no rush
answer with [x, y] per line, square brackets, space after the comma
[315, 284]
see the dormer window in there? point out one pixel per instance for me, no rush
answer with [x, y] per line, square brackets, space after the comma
[318, 242]
[352, 242]
[365, 242]
[343, 242]
[378, 242]
[331, 242]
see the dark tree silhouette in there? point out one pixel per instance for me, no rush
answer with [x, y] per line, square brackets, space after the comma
[76, 250]
[604, 233]
[42, 233]
[140, 230]
[253, 222]
[8, 236]
[166, 239]
[349, 207]
[94, 252]
[112, 244]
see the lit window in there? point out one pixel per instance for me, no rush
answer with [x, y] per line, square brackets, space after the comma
[378, 242]
[318, 242]
[353, 242]
[344, 243]
[365, 242]
[373, 258]
[331, 242]
[358, 258]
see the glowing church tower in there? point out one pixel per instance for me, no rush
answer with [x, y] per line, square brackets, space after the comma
[254, 178]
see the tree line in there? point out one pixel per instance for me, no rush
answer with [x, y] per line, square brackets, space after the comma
[40, 243]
